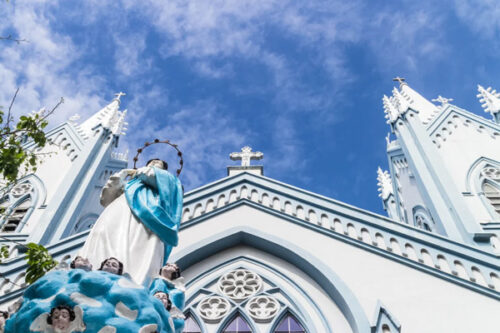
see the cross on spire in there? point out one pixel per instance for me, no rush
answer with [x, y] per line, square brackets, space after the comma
[399, 79]
[118, 95]
[246, 155]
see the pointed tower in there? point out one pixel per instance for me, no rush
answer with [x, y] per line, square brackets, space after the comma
[427, 195]
[74, 184]
[490, 100]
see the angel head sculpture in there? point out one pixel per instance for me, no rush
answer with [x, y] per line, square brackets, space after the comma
[60, 318]
[165, 299]
[4, 315]
[81, 263]
[112, 265]
[170, 271]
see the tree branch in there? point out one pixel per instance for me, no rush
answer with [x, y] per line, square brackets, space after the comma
[7, 123]
[54, 108]
[12, 39]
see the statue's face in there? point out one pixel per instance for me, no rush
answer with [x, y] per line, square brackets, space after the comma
[111, 266]
[163, 297]
[168, 270]
[83, 263]
[61, 320]
[156, 163]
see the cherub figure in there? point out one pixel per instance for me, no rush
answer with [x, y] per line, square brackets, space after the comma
[61, 319]
[112, 265]
[170, 271]
[4, 315]
[165, 299]
[81, 263]
[171, 283]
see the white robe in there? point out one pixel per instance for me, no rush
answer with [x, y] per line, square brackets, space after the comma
[117, 233]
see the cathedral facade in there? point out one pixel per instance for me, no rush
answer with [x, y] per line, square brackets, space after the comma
[263, 256]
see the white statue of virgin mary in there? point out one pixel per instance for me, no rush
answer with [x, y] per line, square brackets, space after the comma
[140, 223]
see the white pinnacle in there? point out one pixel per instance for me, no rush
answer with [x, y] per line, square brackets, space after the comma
[490, 99]
[390, 109]
[109, 117]
[404, 99]
[384, 184]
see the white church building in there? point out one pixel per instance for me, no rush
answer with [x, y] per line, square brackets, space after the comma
[263, 256]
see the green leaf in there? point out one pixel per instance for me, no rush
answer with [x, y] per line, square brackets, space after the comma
[39, 262]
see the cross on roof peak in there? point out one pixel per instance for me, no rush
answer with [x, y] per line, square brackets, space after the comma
[246, 155]
[118, 95]
[442, 100]
[399, 79]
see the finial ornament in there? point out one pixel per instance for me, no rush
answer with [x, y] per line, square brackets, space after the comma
[489, 98]
[74, 118]
[246, 155]
[399, 79]
[118, 95]
[442, 100]
[384, 184]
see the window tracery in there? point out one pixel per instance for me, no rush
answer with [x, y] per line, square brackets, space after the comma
[240, 284]
[213, 308]
[240, 301]
[263, 308]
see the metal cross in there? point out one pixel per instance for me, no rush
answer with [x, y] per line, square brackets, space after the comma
[442, 100]
[399, 79]
[246, 155]
[120, 94]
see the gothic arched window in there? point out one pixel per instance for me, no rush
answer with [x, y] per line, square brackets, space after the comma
[422, 219]
[15, 215]
[191, 326]
[289, 324]
[237, 325]
[492, 193]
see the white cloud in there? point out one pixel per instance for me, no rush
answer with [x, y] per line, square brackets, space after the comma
[482, 17]
[205, 133]
[408, 37]
[42, 67]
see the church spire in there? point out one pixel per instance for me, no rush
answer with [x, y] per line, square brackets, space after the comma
[405, 98]
[490, 100]
[108, 117]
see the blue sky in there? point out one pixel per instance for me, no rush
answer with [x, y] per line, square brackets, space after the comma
[301, 81]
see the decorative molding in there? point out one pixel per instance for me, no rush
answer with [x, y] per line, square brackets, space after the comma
[213, 308]
[380, 232]
[240, 284]
[263, 308]
[384, 184]
[490, 99]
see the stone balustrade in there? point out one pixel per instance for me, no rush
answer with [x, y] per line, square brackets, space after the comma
[431, 252]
